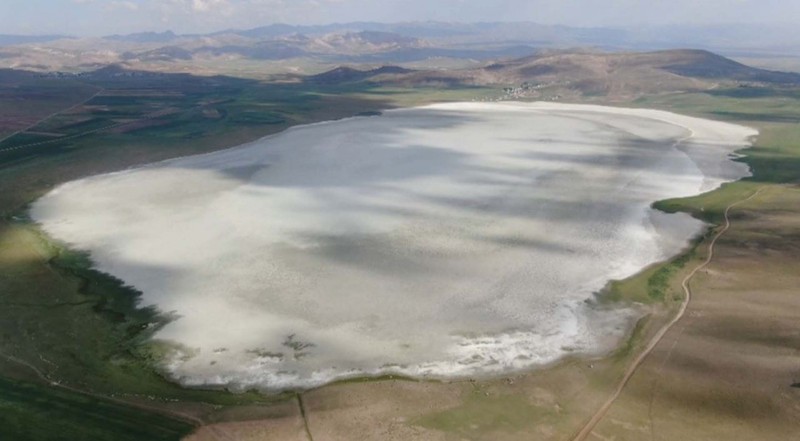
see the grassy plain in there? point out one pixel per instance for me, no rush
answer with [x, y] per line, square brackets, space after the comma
[35, 412]
[86, 330]
[726, 370]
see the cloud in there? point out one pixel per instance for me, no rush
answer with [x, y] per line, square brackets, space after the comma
[208, 5]
[121, 4]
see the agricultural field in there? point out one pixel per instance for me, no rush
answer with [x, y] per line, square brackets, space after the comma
[43, 413]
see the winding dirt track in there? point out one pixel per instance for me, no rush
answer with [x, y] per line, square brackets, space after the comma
[601, 412]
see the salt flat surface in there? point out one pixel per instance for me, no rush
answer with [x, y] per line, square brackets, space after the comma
[448, 240]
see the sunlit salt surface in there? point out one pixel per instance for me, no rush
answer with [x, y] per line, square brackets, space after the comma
[448, 240]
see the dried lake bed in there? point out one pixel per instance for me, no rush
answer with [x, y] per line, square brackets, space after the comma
[440, 241]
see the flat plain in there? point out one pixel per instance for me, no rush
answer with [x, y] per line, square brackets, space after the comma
[743, 303]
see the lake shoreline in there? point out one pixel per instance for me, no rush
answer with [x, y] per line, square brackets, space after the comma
[169, 161]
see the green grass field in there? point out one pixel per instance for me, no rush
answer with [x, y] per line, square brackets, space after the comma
[30, 412]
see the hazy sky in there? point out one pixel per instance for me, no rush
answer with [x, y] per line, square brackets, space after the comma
[100, 17]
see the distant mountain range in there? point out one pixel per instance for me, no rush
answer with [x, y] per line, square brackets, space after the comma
[558, 74]
[741, 36]
[548, 74]
[7, 40]
[376, 43]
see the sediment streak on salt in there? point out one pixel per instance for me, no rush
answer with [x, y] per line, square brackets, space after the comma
[453, 239]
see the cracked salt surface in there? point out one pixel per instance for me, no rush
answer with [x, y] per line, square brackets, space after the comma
[441, 241]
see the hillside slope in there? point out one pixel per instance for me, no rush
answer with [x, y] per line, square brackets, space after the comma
[620, 75]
